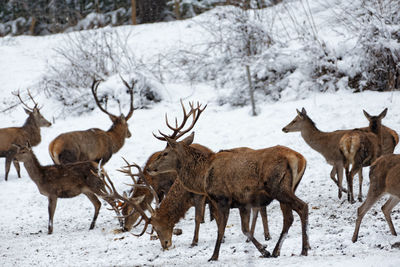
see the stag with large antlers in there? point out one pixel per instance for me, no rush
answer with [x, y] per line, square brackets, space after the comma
[163, 182]
[246, 179]
[64, 181]
[29, 132]
[93, 144]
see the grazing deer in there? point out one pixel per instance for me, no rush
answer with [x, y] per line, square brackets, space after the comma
[361, 149]
[327, 143]
[64, 181]
[29, 132]
[163, 182]
[93, 144]
[384, 176]
[238, 180]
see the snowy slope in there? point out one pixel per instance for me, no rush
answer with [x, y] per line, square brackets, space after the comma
[23, 211]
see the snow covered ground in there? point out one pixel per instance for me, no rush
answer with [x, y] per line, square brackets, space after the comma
[23, 211]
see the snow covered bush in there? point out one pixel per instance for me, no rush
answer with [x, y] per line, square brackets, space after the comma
[101, 55]
[378, 46]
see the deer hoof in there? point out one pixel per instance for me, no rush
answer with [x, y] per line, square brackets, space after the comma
[265, 253]
[267, 237]
[360, 199]
[177, 231]
[304, 252]
[194, 244]
[213, 258]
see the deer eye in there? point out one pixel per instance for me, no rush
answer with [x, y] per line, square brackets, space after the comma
[165, 154]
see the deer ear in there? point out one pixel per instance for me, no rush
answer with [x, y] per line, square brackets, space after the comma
[27, 111]
[298, 112]
[367, 115]
[303, 111]
[383, 113]
[113, 118]
[189, 140]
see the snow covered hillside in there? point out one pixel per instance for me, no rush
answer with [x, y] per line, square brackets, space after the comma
[23, 211]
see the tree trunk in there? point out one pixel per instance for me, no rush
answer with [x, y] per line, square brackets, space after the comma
[133, 4]
[251, 91]
[177, 10]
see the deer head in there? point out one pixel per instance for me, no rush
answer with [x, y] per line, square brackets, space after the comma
[120, 121]
[298, 123]
[33, 112]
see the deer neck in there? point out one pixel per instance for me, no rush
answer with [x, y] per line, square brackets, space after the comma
[34, 169]
[32, 128]
[117, 134]
[313, 136]
[191, 170]
[175, 205]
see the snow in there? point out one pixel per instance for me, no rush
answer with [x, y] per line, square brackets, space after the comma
[24, 217]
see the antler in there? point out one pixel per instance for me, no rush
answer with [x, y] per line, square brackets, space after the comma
[111, 192]
[94, 87]
[130, 89]
[128, 171]
[17, 94]
[177, 130]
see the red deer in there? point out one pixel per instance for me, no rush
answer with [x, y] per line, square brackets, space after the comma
[93, 144]
[29, 132]
[384, 176]
[238, 180]
[64, 181]
[327, 143]
[360, 149]
[162, 184]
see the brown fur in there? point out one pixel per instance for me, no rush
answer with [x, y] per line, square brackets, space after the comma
[64, 181]
[173, 193]
[29, 132]
[384, 176]
[360, 149]
[93, 144]
[327, 143]
[250, 178]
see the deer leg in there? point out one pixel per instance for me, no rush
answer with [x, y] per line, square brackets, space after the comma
[199, 206]
[290, 200]
[253, 222]
[287, 223]
[222, 210]
[387, 209]
[349, 178]
[245, 218]
[52, 209]
[8, 164]
[360, 180]
[17, 167]
[264, 217]
[372, 197]
[97, 204]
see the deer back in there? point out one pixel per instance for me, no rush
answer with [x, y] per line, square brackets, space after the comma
[92, 144]
[29, 132]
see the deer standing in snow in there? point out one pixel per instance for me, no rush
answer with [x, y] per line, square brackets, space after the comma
[29, 132]
[327, 143]
[384, 176]
[93, 144]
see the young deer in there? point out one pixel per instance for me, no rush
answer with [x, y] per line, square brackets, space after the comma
[238, 180]
[361, 149]
[29, 132]
[384, 176]
[93, 144]
[64, 181]
[327, 143]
